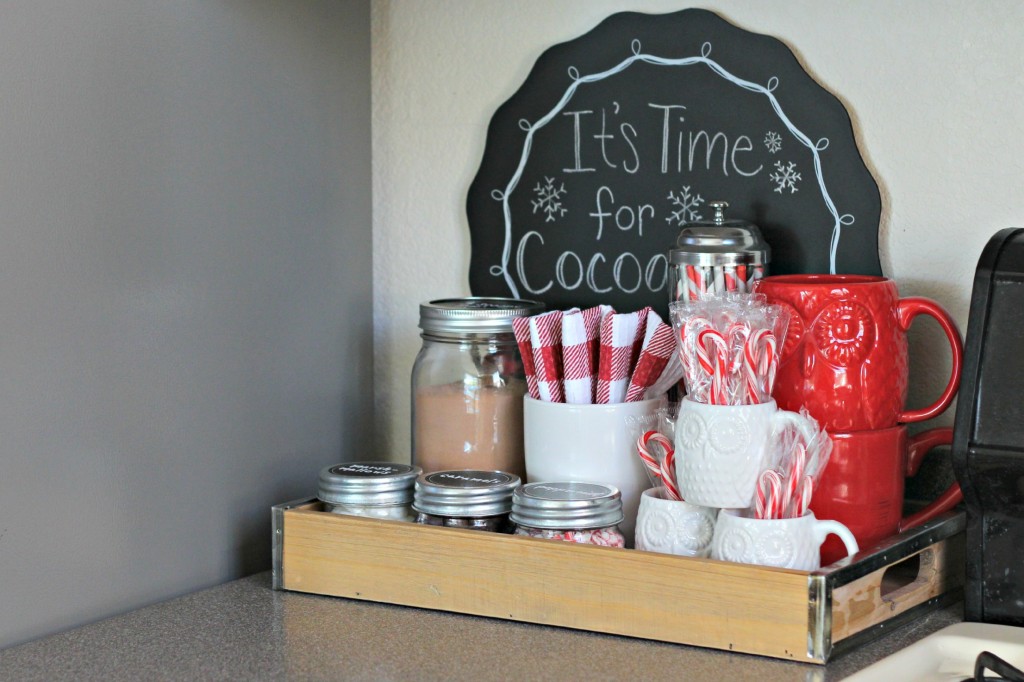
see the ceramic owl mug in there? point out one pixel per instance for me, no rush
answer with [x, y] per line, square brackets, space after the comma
[845, 355]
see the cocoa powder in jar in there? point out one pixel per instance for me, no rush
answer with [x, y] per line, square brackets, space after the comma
[470, 427]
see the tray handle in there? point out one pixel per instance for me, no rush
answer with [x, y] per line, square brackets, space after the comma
[890, 590]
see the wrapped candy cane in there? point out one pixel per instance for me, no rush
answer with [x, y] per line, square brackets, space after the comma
[768, 491]
[663, 470]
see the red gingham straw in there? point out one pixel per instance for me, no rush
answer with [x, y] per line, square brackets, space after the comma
[546, 337]
[655, 356]
[577, 370]
[622, 336]
[521, 329]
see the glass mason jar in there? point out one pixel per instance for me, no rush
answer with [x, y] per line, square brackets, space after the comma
[465, 498]
[468, 384]
[584, 513]
[377, 490]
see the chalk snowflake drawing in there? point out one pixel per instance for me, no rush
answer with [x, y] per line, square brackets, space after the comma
[549, 199]
[773, 141]
[687, 205]
[785, 177]
[767, 90]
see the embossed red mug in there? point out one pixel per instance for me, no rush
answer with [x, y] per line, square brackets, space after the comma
[863, 483]
[845, 357]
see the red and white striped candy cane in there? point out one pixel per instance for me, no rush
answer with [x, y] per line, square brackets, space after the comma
[771, 361]
[688, 355]
[715, 366]
[649, 460]
[803, 500]
[668, 472]
[795, 478]
[768, 491]
[751, 362]
[694, 283]
[665, 470]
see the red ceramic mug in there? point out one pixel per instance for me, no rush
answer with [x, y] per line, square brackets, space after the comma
[862, 485]
[845, 354]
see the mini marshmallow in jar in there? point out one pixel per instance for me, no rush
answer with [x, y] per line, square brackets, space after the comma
[584, 513]
[717, 256]
[379, 490]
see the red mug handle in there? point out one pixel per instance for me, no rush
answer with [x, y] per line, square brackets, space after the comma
[908, 309]
[919, 446]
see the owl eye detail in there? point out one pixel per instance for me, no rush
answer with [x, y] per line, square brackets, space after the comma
[844, 333]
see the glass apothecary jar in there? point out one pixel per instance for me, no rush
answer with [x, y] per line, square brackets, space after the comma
[466, 498]
[379, 490]
[584, 513]
[468, 383]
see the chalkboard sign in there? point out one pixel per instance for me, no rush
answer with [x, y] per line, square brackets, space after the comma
[620, 136]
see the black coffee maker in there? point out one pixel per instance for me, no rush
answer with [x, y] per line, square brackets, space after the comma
[988, 440]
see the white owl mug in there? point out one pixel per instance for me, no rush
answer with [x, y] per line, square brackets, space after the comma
[721, 450]
[673, 527]
[782, 543]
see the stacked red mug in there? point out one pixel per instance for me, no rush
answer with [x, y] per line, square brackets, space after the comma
[845, 360]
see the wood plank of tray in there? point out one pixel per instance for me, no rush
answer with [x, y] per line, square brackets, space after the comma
[641, 594]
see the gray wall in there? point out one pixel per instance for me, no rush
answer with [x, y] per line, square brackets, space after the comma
[185, 298]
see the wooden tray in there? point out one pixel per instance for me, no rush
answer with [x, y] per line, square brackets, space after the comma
[781, 613]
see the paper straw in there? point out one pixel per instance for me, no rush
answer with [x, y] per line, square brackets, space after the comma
[655, 355]
[621, 339]
[521, 330]
[546, 337]
[577, 360]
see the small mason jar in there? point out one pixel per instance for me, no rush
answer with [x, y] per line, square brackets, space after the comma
[378, 490]
[585, 513]
[465, 498]
[468, 383]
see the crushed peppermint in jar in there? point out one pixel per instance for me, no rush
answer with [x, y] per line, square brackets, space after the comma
[584, 513]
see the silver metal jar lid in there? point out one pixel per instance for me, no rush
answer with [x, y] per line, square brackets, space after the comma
[465, 493]
[475, 315]
[367, 483]
[720, 242]
[567, 505]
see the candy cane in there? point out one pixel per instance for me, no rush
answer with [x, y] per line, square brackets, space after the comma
[768, 487]
[751, 362]
[666, 469]
[668, 473]
[688, 351]
[803, 500]
[796, 477]
[717, 369]
[770, 363]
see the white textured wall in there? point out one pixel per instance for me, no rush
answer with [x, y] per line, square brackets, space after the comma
[184, 279]
[935, 91]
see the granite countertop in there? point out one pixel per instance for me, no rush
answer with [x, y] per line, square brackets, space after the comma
[244, 630]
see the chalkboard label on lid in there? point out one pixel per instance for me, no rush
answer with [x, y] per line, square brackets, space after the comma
[619, 137]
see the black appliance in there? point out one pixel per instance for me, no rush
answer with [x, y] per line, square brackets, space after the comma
[988, 440]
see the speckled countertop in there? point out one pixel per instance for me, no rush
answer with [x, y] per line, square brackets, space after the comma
[244, 630]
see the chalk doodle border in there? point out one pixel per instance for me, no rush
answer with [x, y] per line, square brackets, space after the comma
[577, 80]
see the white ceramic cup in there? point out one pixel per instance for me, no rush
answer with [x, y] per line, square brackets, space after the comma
[673, 527]
[590, 444]
[721, 450]
[783, 543]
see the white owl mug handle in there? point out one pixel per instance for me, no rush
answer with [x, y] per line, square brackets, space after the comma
[721, 450]
[782, 543]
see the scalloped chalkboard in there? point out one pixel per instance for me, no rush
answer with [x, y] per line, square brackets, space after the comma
[618, 137]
